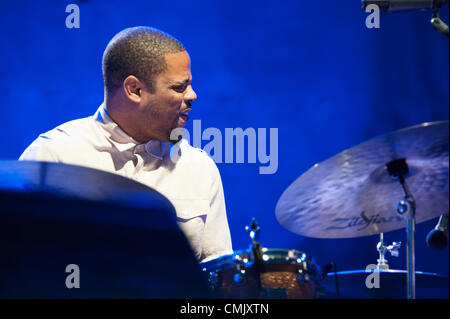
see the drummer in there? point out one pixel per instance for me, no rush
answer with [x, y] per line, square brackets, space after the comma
[148, 93]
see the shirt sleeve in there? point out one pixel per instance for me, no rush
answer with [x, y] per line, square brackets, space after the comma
[216, 237]
[39, 150]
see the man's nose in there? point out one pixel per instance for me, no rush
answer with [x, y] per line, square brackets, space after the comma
[190, 95]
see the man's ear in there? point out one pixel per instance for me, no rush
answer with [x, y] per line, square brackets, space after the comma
[133, 88]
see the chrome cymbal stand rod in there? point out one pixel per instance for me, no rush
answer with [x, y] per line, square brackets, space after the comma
[381, 247]
[406, 208]
[253, 230]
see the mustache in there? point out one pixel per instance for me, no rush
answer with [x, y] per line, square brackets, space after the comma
[188, 108]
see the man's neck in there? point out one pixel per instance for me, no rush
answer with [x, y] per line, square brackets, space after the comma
[121, 113]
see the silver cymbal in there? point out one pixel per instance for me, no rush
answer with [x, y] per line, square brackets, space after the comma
[351, 194]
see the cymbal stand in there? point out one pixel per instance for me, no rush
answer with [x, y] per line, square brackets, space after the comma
[406, 208]
[253, 230]
[382, 249]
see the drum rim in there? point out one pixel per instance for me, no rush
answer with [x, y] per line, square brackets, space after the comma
[227, 261]
[387, 271]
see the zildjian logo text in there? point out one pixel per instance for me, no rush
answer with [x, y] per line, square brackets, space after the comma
[362, 221]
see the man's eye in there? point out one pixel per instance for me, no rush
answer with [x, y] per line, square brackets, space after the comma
[180, 89]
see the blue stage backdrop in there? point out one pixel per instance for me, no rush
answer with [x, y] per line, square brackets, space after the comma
[312, 69]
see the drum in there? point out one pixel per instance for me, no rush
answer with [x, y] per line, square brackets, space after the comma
[285, 274]
[391, 285]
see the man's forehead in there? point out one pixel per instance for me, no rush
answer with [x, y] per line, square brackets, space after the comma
[178, 62]
[178, 68]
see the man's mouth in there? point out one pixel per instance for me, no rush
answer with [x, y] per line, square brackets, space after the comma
[183, 116]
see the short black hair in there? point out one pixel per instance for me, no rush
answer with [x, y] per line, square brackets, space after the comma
[138, 51]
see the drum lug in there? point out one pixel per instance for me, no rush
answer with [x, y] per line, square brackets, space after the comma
[239, 276]
[213, 281]
[302, 276]
[304, 273]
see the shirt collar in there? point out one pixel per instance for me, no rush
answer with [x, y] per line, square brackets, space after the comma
[122, 141]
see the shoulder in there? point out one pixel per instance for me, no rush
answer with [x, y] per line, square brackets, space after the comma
[74, 128]
[196, 155]
[67, 137]
[193, 161]
[71, 134]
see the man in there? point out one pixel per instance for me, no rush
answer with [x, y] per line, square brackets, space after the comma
[148, 95]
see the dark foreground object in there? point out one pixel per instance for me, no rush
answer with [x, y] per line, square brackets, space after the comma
[122, 236]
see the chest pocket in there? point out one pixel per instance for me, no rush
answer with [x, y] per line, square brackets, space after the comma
[191, 218]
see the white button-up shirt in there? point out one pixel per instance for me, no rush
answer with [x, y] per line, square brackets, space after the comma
[190, 179]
